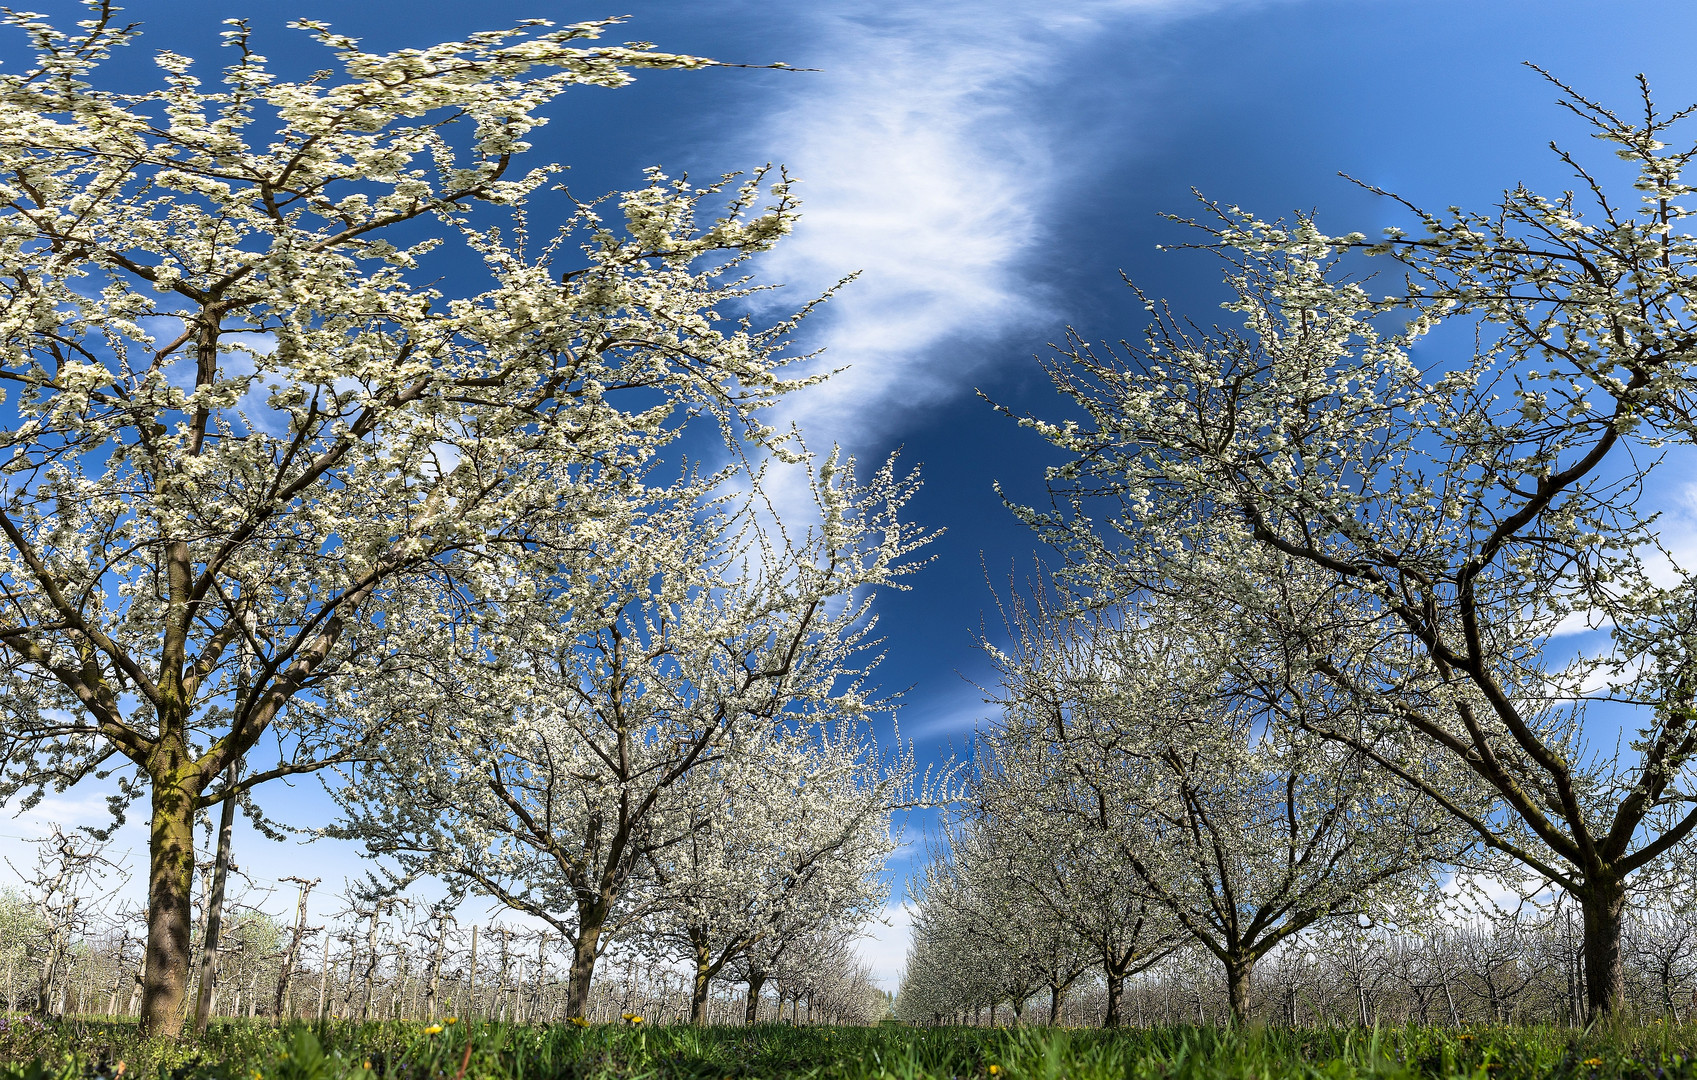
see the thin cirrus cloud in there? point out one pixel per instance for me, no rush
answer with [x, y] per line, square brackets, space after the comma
[931, 162]
[933, 147]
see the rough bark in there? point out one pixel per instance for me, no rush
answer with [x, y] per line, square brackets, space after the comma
[583, 962]
[703, 982]
[170, 885]
[1604, 908]
[215, 910]
[751, 1010]
[1237, 987]
[1116, 995]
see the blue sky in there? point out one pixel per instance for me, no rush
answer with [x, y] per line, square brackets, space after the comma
[989, 168]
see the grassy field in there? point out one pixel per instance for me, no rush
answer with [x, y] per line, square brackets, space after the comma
[462, 1051]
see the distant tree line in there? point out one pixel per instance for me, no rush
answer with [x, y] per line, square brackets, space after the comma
[1519, 968]
[64, 952]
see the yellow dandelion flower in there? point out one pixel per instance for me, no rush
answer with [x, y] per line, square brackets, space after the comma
[1592, 1061]
[453, 1019]
[433, 1029]
[578, 1020]
[995, 1070]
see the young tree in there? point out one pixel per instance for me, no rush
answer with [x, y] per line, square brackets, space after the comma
[246, 414]
[836, 983]
[678, 641]
[1065, 850]
[1456, 513]
[1026, 792]
[1245, 827]
[292, 951]
[788, 842]
[979, 915]
[1661, 943]
[67, 886]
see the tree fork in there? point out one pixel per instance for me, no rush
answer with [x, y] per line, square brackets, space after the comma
[751, 1010]
[286, 969]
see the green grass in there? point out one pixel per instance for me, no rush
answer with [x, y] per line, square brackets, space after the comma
[77, 1050]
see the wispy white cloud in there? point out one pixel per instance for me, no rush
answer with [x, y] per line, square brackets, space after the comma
[956, 715]
[931, 160]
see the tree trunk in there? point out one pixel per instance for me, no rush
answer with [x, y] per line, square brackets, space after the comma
[1237, 987]
[583, 962]
[751, 1011]
[433, 988]
[64, 991]
[347, 1009]
[540, 980]
[50, 970]
[1605, 978]
[703, 981]
[170, 856]
[370, 965]
[324, 976]
[471, 976]
[1057, 994]
[1116, 994]
[286, 970]
[498, 1005]
[215, 907]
